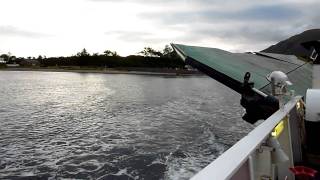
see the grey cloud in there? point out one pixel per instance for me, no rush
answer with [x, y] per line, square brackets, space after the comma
[252, 24]
[249, 37]
[258, 24]
[158, 1]
[13, 31]
[180, 3]
[136, 1]
[253, 34]
[135, 36]
[250, 34]
[257, 13]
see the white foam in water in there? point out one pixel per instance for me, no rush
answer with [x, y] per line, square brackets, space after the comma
[122, 171]
[30, 173]
[187, 166]
[182, 168]
[66, 124]
[125, 172]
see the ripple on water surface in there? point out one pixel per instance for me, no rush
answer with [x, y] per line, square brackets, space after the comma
[98, 126]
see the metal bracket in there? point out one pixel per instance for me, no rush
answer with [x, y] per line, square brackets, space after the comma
[246, 83]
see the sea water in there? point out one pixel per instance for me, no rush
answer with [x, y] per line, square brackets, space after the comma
[112, 126]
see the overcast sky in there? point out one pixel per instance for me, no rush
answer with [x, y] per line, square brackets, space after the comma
[64, 27]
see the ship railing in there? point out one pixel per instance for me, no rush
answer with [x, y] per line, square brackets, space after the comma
[258, 155]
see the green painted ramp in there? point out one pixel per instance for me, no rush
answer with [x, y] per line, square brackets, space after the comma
[230, 68]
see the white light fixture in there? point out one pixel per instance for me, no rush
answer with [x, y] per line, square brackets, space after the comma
[279, 78]
[279, 82]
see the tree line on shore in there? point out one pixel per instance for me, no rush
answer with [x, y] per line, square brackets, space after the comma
[148, 57]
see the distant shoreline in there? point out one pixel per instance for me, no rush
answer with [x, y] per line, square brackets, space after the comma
[135, 71]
